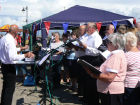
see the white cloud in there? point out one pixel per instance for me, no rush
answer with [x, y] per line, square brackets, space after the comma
[135, 12]
[12, 14]
[8, 20]
[30, 1]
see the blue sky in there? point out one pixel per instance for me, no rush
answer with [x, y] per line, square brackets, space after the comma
[10, 10]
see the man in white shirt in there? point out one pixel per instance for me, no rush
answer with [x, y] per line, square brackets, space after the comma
[109, 30]
[91, 40]
[90, 43]
[8, 54]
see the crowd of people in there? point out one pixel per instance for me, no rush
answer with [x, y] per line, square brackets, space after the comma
[119, 80]
[118, 83]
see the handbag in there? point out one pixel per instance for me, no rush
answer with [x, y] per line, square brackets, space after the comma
[29, 81]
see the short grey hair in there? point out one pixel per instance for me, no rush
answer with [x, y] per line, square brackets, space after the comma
[131, 37]
[117, 40]
[92, 24]
[110, 26]
[57, 33]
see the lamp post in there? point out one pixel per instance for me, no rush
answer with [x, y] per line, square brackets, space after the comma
[25, 9]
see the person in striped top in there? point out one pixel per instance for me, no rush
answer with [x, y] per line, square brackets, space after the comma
[133, 69]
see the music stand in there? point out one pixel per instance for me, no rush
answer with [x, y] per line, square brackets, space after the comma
[45, 85]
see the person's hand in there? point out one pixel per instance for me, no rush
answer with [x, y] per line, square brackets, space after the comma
[90, 73]
[29, 55]
[32, 55]
[83, 44]
[26, 46]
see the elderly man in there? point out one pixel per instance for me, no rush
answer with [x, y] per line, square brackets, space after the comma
[122, 29]
[90, 43]
[91, 40]
[82, 30]
[109, 30]
[8, 54]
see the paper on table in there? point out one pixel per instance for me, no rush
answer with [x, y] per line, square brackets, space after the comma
[43, 59]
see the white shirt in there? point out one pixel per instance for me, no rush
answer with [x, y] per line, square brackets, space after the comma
[93, 42]
[61, 49]
[8, 51]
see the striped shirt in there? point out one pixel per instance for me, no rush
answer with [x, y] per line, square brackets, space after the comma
[133, 69]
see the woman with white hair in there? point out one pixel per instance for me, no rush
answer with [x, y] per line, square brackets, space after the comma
[133, 69]
[110, 83]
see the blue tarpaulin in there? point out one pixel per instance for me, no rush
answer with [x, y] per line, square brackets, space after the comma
[77, 15]
[80, 14]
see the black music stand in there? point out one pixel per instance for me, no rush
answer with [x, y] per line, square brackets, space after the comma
[45, 86]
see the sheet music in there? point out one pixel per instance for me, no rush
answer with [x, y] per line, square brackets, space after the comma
[43, 59]
[90, 66]
[106, 54]
[24, 62]
[76, 43]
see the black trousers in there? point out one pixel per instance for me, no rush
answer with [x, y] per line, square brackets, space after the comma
[111, 99]
[131, 96]
[56, 74]
[90, 93]
[9, 80]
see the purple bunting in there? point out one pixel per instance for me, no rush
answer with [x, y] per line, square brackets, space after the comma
[115, 23]
[65, 27]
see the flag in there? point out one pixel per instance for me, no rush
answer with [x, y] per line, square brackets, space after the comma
[47, 26]
[38, 26]
[134, 21]
[131, 21]
[34, 29]
[65, 27]
[114, 24]
[99, 24]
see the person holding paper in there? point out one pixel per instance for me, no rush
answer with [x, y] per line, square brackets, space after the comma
[56, 57]
[91, 40]
[110, 83]
[8, 54]
[89, 44]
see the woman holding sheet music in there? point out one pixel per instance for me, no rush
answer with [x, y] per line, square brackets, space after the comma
[110, 83]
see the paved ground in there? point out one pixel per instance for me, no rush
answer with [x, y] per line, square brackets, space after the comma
[24, 96]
